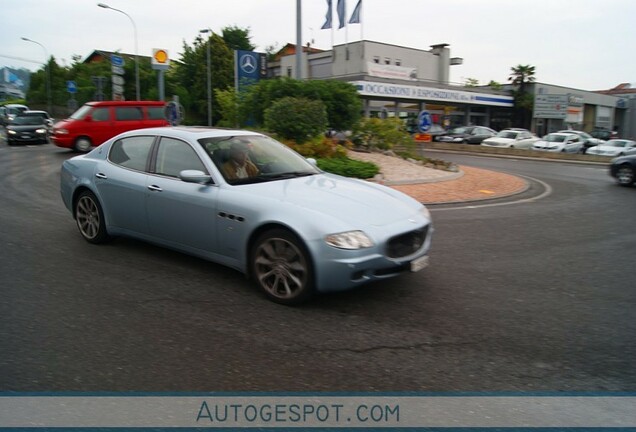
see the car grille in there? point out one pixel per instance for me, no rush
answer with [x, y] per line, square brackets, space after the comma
[406, 244]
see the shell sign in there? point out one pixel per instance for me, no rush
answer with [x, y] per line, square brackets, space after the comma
[160, 59]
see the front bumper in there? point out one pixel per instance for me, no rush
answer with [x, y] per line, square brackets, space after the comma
[337, 269]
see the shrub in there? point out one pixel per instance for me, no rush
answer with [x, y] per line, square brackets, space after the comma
[349, 167]
[318, 147]
[383, 134]
[298, 119]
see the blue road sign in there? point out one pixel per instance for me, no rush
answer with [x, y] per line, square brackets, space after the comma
[424, 121]
[116, 60]
[71, 87]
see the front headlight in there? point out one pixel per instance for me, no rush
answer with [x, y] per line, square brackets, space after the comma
[349, 240]
[40, 131]
[11, 132]
[458, 139]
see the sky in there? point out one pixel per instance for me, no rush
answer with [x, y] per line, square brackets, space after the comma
[582, 44]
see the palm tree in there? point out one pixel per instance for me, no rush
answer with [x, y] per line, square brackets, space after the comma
[522, 75]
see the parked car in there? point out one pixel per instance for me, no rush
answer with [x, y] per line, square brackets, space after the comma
[27, 129]
[96, 122]
[588, 140]
[614, 147]
[559, 142]
[604, 133]
[467, 134]
[511, 138]
[9, 111]
[623, 169]
[293, 228]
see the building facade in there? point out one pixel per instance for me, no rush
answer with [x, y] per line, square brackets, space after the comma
[400, 81]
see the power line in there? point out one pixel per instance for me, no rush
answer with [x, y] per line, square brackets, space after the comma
[21, 59]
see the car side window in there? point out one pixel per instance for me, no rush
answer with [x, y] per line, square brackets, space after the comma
[156, 113]
[175, 156]
[101, 114]
[131, 152]
[128, 113]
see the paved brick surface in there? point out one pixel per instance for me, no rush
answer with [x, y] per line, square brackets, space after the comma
[432, 186]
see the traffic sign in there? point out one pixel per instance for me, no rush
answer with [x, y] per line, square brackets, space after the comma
[117, 70]
[160, 59]
[71, 87]
[118, 89]
[118, 80]
[424, 121]
[117, 60]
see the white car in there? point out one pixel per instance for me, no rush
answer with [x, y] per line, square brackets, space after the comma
[614, 147]
[559, 142]
[511, 138]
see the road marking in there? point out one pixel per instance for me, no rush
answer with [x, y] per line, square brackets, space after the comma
[547, 192]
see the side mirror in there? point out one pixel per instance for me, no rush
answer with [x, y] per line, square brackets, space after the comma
[88, 118]
[195, 176]
[312, 161]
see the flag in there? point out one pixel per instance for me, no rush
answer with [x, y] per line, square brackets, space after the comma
[355, 16]
[341, 13]
[327, 24]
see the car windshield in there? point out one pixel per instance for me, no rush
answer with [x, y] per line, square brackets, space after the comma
[507, 134]
[555, 138]
[459, 130]
[81, 113]
[27, 121]
[247, 159]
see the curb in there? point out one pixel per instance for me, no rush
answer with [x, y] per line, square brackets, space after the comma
[449, 177]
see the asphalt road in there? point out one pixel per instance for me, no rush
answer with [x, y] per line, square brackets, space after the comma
[532, 296]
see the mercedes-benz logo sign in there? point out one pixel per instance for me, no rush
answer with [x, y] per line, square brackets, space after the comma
[248, 63]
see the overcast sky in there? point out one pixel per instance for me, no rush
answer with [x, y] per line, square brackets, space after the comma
[584, 44]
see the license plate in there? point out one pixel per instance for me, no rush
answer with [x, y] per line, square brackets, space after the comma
[419, 264]
[26, 136]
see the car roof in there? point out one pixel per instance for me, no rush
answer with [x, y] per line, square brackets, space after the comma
[192, 132]
[561, 133]
[27, 112]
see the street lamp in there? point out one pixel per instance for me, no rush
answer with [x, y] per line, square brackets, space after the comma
[47, 71]
[105, 6]
[209, 77]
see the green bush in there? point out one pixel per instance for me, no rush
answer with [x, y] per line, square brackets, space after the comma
[318, 147]
[349, 167]
[383, 134]
[298, 119]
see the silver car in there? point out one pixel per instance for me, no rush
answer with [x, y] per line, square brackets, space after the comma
[559, 142]
[246, 201]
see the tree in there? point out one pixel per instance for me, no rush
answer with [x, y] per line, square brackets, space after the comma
[471, 82]
[495, 85]
[299, 119]
[191, 75]
[341, 99]
[237, 38]
[520, 77]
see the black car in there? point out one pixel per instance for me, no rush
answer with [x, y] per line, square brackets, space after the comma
[623, 169]
[27, 129]
[467, 134]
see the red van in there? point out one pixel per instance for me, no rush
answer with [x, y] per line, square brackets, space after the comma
[96, 122]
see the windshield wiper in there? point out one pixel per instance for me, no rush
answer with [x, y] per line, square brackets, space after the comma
[286, 175]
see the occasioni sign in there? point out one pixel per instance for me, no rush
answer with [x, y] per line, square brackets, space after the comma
[369, 88]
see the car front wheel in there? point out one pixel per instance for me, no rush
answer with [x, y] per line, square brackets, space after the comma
[82, 144]
[625, 175]
[90, 218]
[281, 267]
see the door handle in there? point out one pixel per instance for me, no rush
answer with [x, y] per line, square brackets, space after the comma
[155, 188]
[101, 176]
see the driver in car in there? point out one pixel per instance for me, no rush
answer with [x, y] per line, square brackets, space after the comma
[239, 165]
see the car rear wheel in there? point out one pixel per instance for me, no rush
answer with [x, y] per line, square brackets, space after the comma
[90, 218]
[625, 175]
[82, 144]
[281, 267]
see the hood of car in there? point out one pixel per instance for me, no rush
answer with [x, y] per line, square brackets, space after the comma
[609, 149]
[353, 201]
[498, 140]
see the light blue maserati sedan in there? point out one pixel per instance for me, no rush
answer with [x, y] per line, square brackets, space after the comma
[246, 201]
